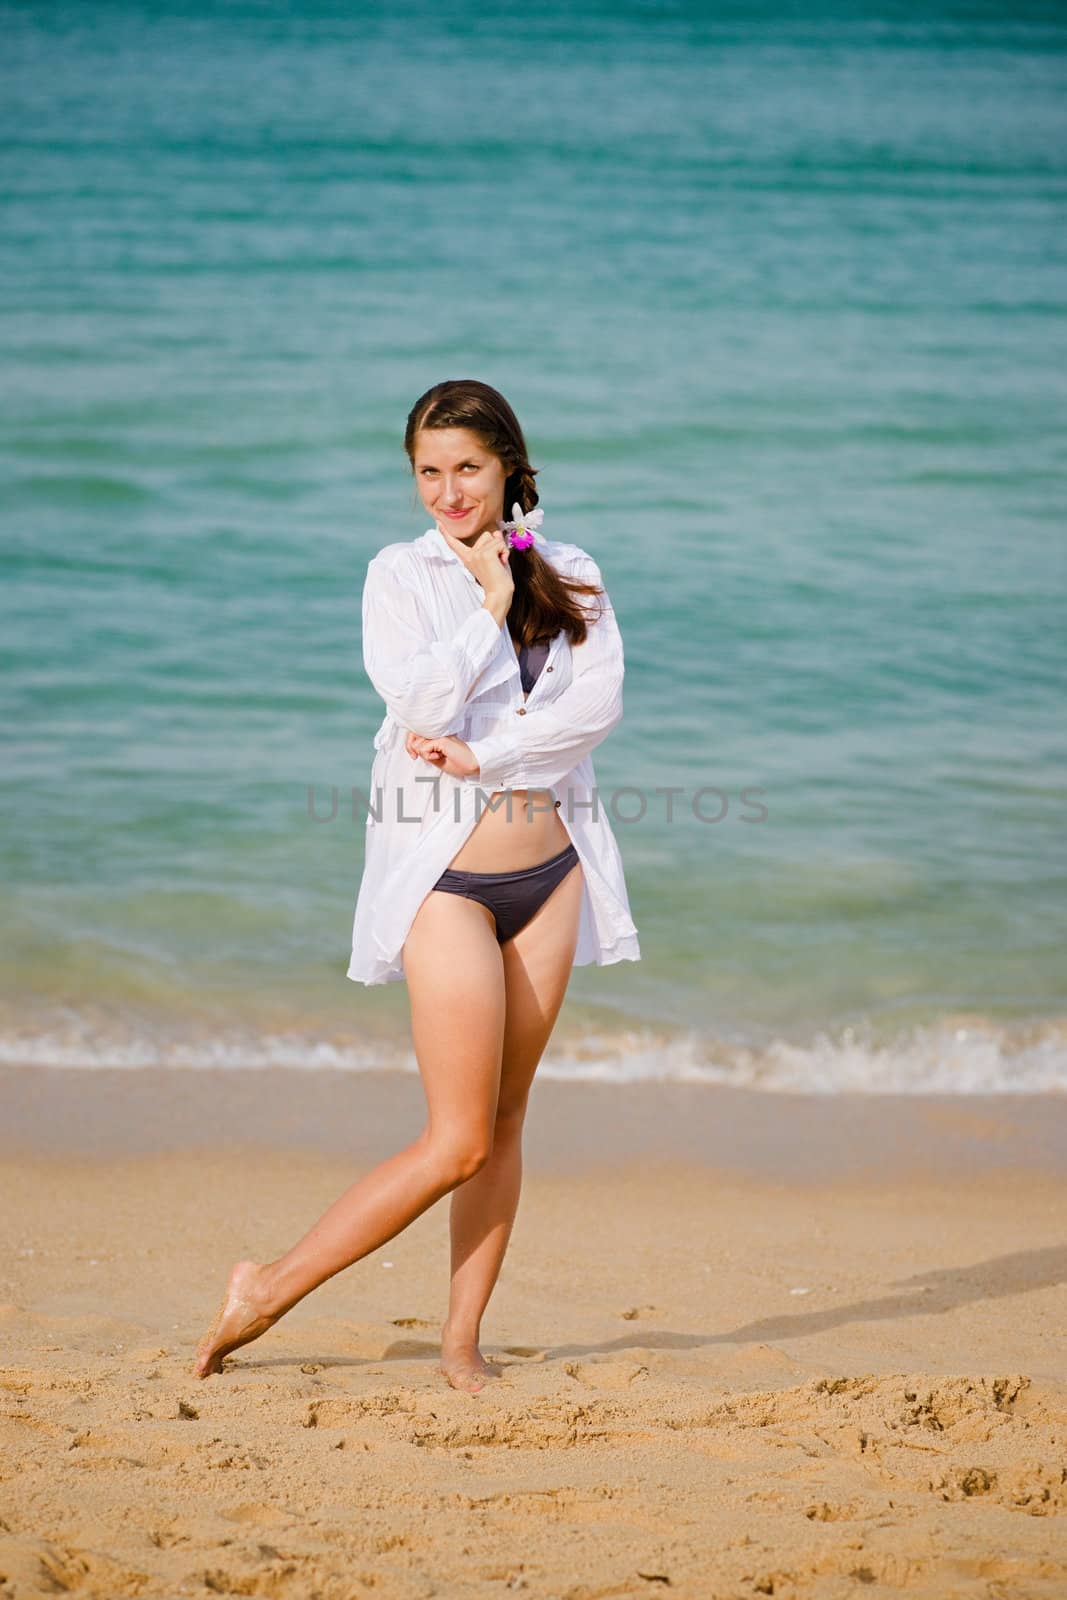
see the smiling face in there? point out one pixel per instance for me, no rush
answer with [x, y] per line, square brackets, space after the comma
[460, 482]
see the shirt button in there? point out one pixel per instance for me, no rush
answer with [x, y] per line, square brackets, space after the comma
[521, 711]
[550, 669]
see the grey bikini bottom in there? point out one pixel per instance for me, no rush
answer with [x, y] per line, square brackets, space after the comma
[512, 897]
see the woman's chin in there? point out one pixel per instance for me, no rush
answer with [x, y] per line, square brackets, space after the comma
[467, 528]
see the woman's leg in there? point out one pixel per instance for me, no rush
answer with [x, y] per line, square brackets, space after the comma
[537, 969]
[454, 971]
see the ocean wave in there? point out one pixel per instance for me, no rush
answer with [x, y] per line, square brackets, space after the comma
[972, 1056]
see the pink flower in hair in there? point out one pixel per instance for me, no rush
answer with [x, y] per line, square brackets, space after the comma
[522, 532]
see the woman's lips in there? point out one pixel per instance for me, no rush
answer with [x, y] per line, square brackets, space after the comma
[457, 516]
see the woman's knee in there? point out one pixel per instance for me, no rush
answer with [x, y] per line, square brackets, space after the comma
[459, 1153]
[510, 1117]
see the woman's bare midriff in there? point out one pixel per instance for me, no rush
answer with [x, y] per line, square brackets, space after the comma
[510, 836]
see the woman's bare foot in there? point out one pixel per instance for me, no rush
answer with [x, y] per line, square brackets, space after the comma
[464, 1365]
[243, 1315]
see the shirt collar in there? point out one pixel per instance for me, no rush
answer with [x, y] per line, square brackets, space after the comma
[438, 545]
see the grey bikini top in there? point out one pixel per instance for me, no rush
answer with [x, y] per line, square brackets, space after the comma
[532, 658]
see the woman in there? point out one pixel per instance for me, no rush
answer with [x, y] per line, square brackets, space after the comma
[490, 868]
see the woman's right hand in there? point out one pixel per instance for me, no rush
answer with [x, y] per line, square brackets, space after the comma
[488, 559]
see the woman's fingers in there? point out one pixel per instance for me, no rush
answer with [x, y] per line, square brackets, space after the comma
[438, 752]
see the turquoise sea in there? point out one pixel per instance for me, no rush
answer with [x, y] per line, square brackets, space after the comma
[780, 297]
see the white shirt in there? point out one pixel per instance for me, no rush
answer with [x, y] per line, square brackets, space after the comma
[442, 664]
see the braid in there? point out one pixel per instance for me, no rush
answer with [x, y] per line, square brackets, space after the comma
[528, 496]
[520, 487]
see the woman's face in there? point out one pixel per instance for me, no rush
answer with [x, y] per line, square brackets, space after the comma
[461, 483]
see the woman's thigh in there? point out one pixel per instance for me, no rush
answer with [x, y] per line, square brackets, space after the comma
[455, 978]
[537, 969]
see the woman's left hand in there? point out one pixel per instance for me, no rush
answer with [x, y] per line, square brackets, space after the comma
[447, 753]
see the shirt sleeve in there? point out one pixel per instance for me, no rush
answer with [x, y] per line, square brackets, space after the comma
[550, 740]
[425, 682]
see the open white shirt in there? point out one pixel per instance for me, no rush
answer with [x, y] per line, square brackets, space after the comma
[442, 664]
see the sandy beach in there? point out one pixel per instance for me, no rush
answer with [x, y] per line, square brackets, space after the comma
[749, 1345]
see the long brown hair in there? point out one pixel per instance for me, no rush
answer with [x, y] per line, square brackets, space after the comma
[543, 603]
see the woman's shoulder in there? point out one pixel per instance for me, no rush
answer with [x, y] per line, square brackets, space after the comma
[570, 558]
[398, 554]
[396, 563]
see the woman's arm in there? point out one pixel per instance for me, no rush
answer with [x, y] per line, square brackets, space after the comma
[425, 682]
[543, 746]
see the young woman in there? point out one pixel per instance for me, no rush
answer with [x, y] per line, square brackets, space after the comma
[490, 869]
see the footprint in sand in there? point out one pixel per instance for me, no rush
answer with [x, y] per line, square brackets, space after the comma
[605, 1375]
